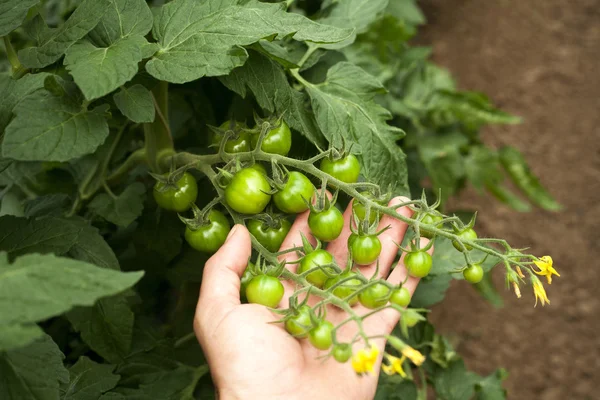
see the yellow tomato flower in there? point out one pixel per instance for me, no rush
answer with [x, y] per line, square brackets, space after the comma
[395, 366]
[546, 269]
[364, 360]
[539, 291]
[517, 290]
[413, 355]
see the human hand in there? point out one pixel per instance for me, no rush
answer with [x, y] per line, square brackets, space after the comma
[251, 358]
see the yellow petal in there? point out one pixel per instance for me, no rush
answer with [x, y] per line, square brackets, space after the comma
[413, 355]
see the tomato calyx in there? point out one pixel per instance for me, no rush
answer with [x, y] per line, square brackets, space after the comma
[201, 216]
[168, 181]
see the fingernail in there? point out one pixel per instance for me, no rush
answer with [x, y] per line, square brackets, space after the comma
[231, 232]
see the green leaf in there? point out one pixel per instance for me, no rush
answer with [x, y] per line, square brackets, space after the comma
[431, 290]
[406, 10]
[160, 231]
[205, 38]
[123, 209]
[447, 259]
[269, 84]
[12, 14]
[67, 283]
[395, 388]
[442, 352]
[357, 14]
[344, 105]
[90, 245]
[57, 41]
[53, 128]
[488, 291]
[33, 372]
[13, 91]
[177, 384]
[454, 382]
[100, 70]
[19, 236]
[88, 380]
[49, 205]
[122, 19]
[136, 103]
[490, 387]
[515, 165]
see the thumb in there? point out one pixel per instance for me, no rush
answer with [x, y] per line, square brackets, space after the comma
[220, 289]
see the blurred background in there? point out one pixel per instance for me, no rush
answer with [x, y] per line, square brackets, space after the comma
[538, 59]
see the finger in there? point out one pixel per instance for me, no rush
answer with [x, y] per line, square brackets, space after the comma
[390, 316]
[339, 247]
[390, 239]
[220, 290]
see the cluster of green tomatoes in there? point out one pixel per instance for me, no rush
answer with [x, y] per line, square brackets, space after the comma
[249, 191]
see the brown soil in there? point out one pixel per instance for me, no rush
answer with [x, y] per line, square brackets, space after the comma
[538, 59]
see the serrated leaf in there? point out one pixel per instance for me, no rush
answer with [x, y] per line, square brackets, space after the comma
[490, 387]
[122, 19]
[88, 380]
[19, 236]
[357, 14]
[57, 41]
[269, 84]
[344, 105]
[53, 128]
[205, 38]
[123, 209]
[136, 103]
[12, 14]
[13, 91]
[454, 382]
[66, 283]
[90, 245]
[33, 372]
[100, 70]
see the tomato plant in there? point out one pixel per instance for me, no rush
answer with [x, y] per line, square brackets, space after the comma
[108, 142]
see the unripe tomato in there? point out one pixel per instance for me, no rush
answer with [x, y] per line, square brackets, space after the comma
[400, 297]
[209, 238]
[293, 198]
[239, 144]
[342, 352]
[260, 168]
[179, 199]
[429, 219]
[312, 260]
[467, 234]
[276, 141]
[375, 296]
[247, 193]
[320, 335]
[345, 169]
[271, 238]
[361, 211]
[473, 273]
[418, 263]
[345, 289]
[244, 280]
[326, 225]
[264, 289]
[300, 323]
[365, 248]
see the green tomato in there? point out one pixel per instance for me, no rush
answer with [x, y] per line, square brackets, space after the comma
[466, 234]
[345, 289]
[400, 297]
[473, 273]
[276, 141]
[260, 168]
[320, 335]
[270, 238]
[177, 199]
[245, 279]
[326, 225]
[209, 238]
[293, 198]
[239, 144]
[300, 323]
[312, 260]
[375, 296]
[430, 219]
[361, 211]
[418, 263]
[365, 248]
[264, 289]
[346, 169]
[247, 193]
[342, 352]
